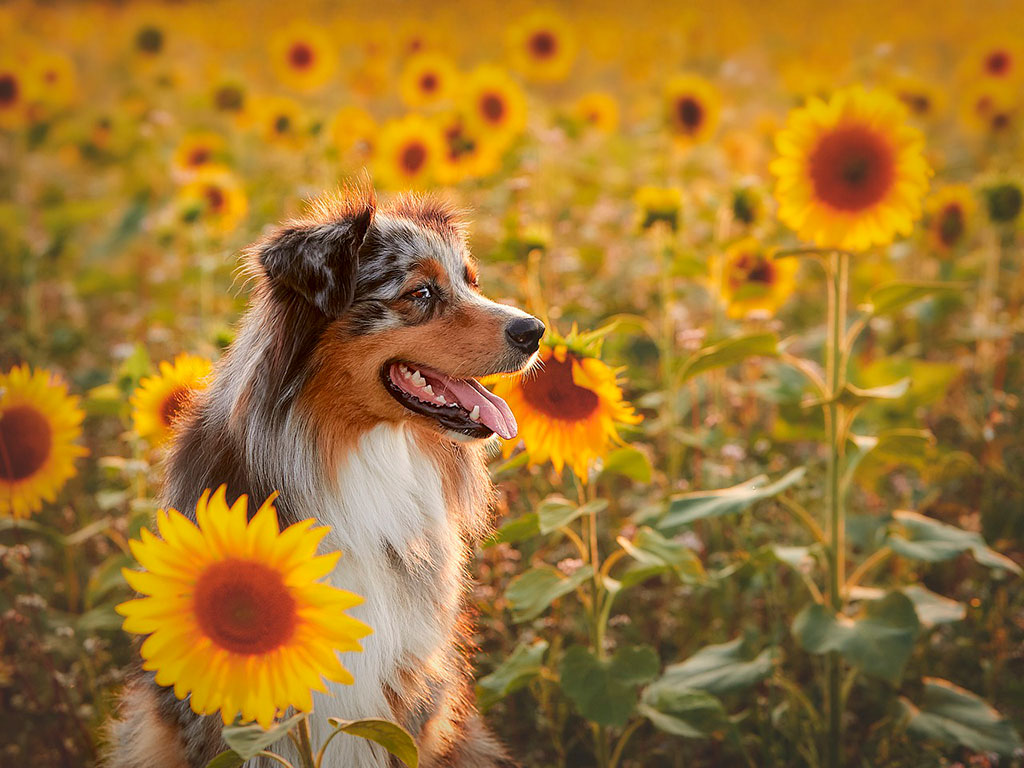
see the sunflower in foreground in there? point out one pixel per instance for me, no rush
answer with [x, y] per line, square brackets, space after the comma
[750, 280]
[39, 423]
[159, 400]
[851, 171]
[235, 612]
[567, 408]
[948, 217]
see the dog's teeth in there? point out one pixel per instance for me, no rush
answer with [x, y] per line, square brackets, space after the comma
[441, 400]
[428, 389]
[417, 379]
[474, 415]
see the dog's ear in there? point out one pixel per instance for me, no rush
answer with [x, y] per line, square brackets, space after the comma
[319, 260]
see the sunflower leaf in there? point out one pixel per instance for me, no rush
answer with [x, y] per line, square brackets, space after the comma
[393, 737]
[249, 739]
[530, 593]
[922, 538]
[512, 674]
[227, 759]
[729, 352]
[629, 462]
[892, 297]
[688, 507]
[953, 715]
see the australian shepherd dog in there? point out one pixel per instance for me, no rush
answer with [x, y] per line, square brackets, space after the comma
[351, 389]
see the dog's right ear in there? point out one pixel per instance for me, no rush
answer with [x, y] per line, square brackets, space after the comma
[319, 259]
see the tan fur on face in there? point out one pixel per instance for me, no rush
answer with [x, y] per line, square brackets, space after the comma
[142, 736]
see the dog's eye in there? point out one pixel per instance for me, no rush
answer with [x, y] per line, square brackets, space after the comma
[421, 293]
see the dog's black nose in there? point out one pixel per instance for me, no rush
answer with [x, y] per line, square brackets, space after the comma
[524, 333]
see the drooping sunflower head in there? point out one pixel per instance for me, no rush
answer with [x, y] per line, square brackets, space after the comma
[160, 400]
[692, 108]
[408, 152]
[569, 406]
[542, 45]
[494, 104]
[303, 56]
[949, 213]
[598, 110]
[229, 96]
[658, 204]
[427, 79]
[236, 614]
[752, 281]
[39, 424]
[850, 172]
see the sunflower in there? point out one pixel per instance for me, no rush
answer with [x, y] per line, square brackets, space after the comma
[1003, 201]
[198, 151]
[747, 206]
[408, 152]
[159, 400]
[656, 204]
[851, 171]
[229, 97]
[991, 109]
[692, 108]
[922, 98]
[15, 88]
[280, 121]
[996, 59]
[235, 612]
[751, 280]
[542, 46]
[54, 76]
[39, 423]
[303, 56]
[599, 110]
[467, 155]
[427, 80]
[354, 129]
[948, 214]
[568, 407]
[494, 104]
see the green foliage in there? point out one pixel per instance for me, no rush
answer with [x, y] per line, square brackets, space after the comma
[953, 715]
[604, 690]
[721, 669]
[521, 666]
[532, 592]
[687, 508]
[920, 538]
[250, 739]
[395, 739]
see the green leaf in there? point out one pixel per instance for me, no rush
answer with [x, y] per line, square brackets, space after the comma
[853, 396]
[922, 538]
[250, 739]
[629, 462]
[892, 297]
[722, 668]
[681, 711]
[514, 462]
[879, 642]
[226, 759]
[954, 715]
[727, 501]
[603, 691]
[99, 619]
[532, 592]
[519, 529]
[656, 554]
[729, 352]
[556, 512]
[933, 608]
[393, 737]
[512, 674]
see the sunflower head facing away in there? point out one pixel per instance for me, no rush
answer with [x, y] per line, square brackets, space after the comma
[851, 171]
[160, 399]
[948, 217]
[751, 280]
[235, 610]
[569, 406]
[39, 423]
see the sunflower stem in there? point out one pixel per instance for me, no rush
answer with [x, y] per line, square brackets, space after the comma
[304, 745]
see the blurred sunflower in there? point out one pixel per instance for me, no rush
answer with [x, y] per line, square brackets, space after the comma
[747, 206]
[235, 611]
[948, 214]
[149, 39]
[599, 110]
[427, 79]
[303, 56]
[15, 89]
[408, 152]
[568, 407]
[692, 108]
[280, 121]
[494, 104]
[1003, 201]
[53, 74]
[39, 423]
[542, 45]
[467, 156]
[991, 109]
[851, 172]
[656, 204]
[354, 129]
[160, 399]
[229, 97]
[922, 98]
[197, 151]
[1000, 59]
[750, 280]
[215, 198]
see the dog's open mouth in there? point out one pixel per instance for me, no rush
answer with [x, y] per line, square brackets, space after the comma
[461, 405]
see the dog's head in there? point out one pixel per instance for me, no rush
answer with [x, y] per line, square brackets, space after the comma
[402, 330]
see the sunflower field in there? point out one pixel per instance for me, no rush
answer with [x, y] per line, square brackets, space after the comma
[766, 504]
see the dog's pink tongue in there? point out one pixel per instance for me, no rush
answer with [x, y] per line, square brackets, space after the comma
[494, 412]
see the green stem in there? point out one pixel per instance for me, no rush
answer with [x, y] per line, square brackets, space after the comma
[667, 343]
[304, 745]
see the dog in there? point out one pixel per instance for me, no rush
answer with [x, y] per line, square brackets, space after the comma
[351, 388]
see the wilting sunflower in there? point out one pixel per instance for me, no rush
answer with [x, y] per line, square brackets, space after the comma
[656, 204]
[303, 56]
[158, 401]
[467, 155]
[427, 79]
[197, 151]
[567, 408]
[235, 612]
[39, 423]
[851, 171]
[494, 104]
[1004, 200]
[353, 129]
[948, 215]
[408, 152]
[750, 280]
[599, 110]
[692, 108]
[542, 46]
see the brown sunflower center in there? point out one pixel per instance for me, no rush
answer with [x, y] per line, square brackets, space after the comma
[492, 106]
[752, 268]
[301, 56]
[852, 168]
[282, 124]
[543, 44]
[553, 392]
[8, 89]
[428, 82]
[997, 63]
[244, 607]
[25, 442]
[690, 113]
[150, 40]
[229, 98]
[171, 406]
[918, 103]
[951, 224]
[198, 156]
[413, 157]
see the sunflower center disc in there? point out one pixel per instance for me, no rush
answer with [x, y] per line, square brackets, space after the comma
[301, 56]
[413, 157]
[25, 441]
[554, 393]
[493, 107]
[172, 404]
[8, 89]
[951, 226]
[852, 168]
[244, 607]
[690, 113]
[543, 45]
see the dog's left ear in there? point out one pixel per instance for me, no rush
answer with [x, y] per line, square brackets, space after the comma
[319, 260]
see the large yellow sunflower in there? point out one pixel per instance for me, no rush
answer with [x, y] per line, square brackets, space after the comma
[494, 104]
[567, 408]
[303, 56]
[948, 215]
[851, 171]
[39, 423]
[408, 152]
[235, 612]
[692, 108]
[750, 280]
[542, 46]
[160, 399]
[427, 79]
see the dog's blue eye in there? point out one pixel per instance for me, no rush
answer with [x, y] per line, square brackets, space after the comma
[423, 292]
